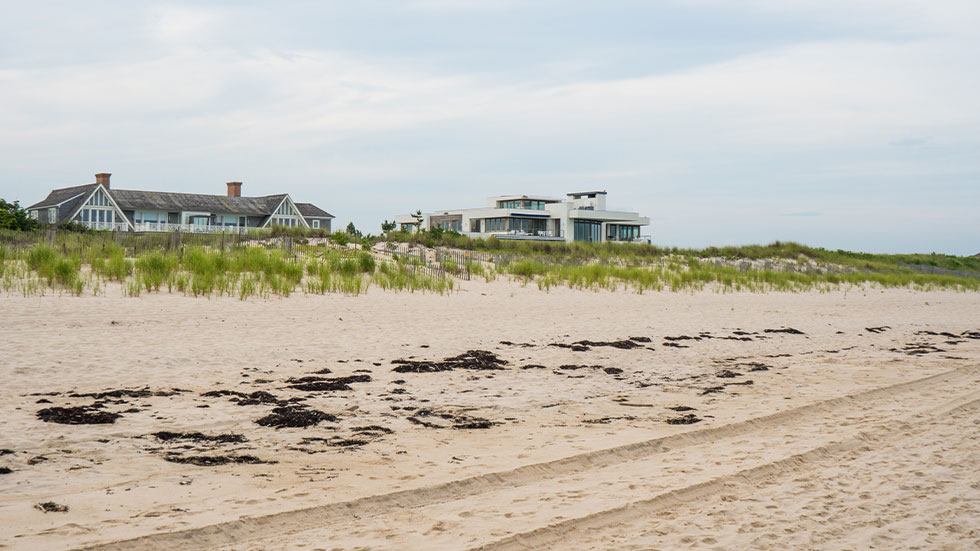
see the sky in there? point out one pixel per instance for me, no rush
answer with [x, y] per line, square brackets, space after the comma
[840, 124]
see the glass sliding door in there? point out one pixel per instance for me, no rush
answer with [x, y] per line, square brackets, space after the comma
[588, 230]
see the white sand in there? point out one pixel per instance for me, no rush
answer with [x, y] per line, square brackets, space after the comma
[878, 465]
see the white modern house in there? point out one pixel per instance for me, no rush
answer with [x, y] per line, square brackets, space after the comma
[98, 206]
[581, 216]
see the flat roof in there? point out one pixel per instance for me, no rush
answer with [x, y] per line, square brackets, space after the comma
[531, 197]
[577, 193]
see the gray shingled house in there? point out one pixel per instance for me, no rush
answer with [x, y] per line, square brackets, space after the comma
[97, 206]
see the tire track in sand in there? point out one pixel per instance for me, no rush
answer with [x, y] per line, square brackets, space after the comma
[250, 528]
[549, 536]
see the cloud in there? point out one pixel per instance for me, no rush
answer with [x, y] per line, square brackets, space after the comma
[909, 142]
[180, 24]
[188, 93]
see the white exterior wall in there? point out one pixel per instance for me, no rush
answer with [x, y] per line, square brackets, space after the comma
[562, 213]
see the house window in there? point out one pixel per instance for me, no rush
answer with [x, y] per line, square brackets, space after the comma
[629, 233]
[316, 224]
[587, 230]
[286, 209]
[34, 214]
[52, 216]
[475, 225]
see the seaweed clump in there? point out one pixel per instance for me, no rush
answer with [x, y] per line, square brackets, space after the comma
[78, 415]
[313, 384]
[688, 419]
[214, 460]
[294, 417]
[167, 436]
[472, 359]
[51, 507]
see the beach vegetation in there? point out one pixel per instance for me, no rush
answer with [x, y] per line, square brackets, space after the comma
[209, 265]
[13, 217]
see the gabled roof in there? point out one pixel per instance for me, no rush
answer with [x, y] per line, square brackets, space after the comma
[168, 201]
[58, 196]
[309, 210]
[67, 200]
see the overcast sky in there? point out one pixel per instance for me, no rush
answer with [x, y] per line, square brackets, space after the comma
[839, 123]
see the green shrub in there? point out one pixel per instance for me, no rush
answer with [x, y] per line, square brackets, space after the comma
[66, 272]
[365, 262]
[154, 269]
[40, 257]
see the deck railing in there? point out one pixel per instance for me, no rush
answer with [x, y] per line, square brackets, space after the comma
[189, 228]
[111, 226]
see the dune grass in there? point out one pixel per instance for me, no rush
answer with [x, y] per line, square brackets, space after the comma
[244, 272]
[680, 273]
[558, 251]
[75, 264]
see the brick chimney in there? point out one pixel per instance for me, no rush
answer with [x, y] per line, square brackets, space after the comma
[103, 178]
[234, 189]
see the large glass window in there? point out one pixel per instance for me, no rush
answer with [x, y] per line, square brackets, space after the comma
[451, 225]
[530, 226]
[99, 199]
[286, 209]
[622, 232]
[498, 224]
[532, 204]
[588, 230]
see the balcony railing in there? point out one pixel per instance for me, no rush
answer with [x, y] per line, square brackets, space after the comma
[165, 227]
[640, 239]
[188, 228]
[110, 226]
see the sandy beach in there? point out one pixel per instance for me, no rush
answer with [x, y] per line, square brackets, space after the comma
[497, 417]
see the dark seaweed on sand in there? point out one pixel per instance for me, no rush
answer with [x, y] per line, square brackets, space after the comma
[313, 384]
[214, 460]
[458, 421]
[127, 393]
[167, 436]
[586, 345]
[622, 344]
[246, 399]
[78, 415]
[787, 330]
[688, 419]
[372, 428]
[294, 417]
[472, 359]
[51, 507]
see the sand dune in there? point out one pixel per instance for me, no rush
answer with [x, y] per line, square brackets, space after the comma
[807, 413]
